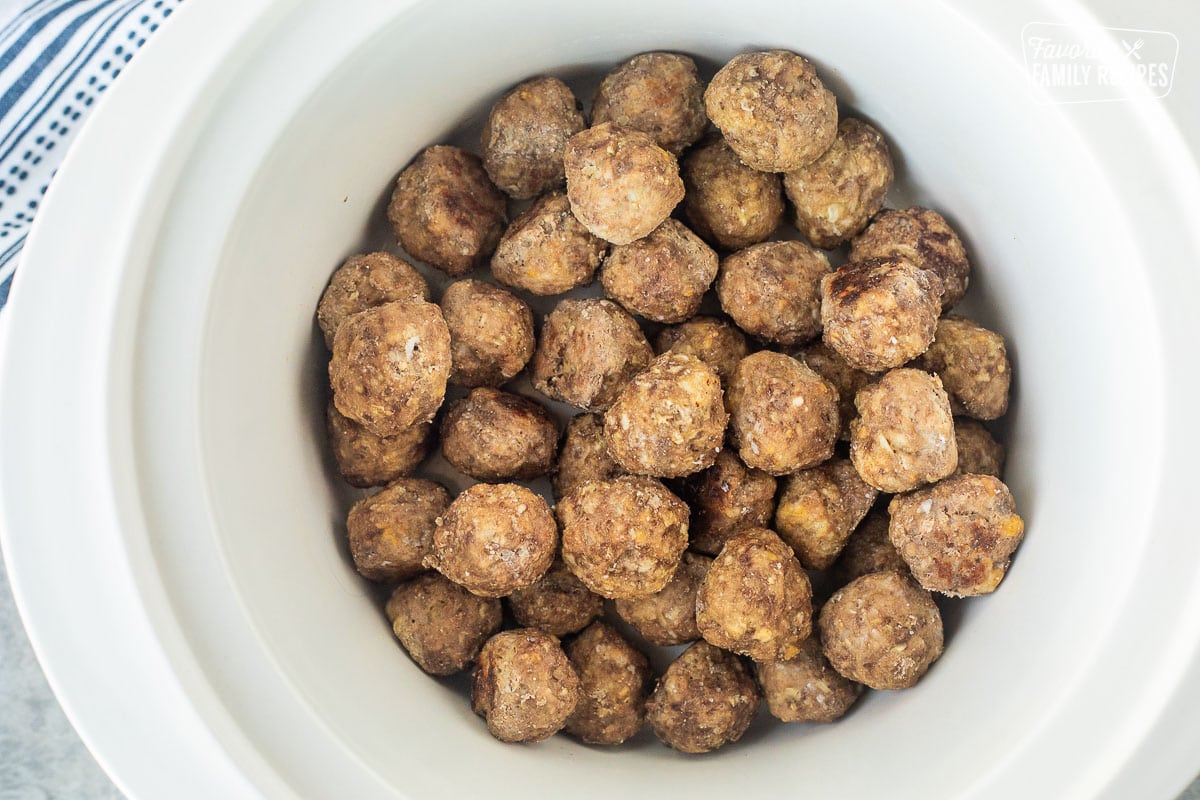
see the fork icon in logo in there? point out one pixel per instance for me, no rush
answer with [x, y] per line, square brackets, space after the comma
[1132, 49]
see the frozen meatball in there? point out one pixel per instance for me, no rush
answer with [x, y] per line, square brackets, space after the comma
[614, 683]
[773, 110]
[806, 688]
[366, 281]
[773, 291]
[978, 452]
[756, 599]
[904, 434]
[923, 237]
[882, 630]
[558, 603]
[364, 459]
[491, 333]
[546, 250]
[668, 421]
[656, 93]
[668, 617]
[782, 415]
[446, 211]
[441, 624]
[713, 341]
[868, 550]
[704, 700]
[880, 313]
[495, 436]
[583, 456]
[494, 539]
[725, 497]
[391, 531]
[623, 538]
[728, 203]
[524, 686]
[663, 276]
[819, 508]
[588, 350]
[390, 365]
[826, 362]
[836, 195]
[525, 133]
[957, 536]
[973, 365]
[620, 183]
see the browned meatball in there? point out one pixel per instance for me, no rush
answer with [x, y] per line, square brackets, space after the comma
[491, 333]
[978, 452]
[445, 211]
[782, 415]
[524, 686]
[668, 421]
[364, 459]
[525, 133]
[546, 250]
[713, 341]
[773, 291]
[620, 183]
[973, 365]
[904, 434]
[623, 538]
[704, 700]
[668, 617]
[614, 682]
[725, 497]
[495, 436]
[868, 550]
[959, 535]
[879, 313]
[882, 630]
[656, 93]
[588, 350]
[558, 603]
[366, 281]
[826, 362]
[806, 688]
[663, 276]
[389, 367]
[391, 531]
[441, 624]
[773, 110]
[728, 203]
[494, 539]
[583, 456]
[836, 195]
[923, 237]
[819, 508]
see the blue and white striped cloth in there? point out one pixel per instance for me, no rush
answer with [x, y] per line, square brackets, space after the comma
[57, 58]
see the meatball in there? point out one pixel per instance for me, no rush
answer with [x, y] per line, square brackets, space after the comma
[978, 452]
[819, 509]
[882, 630]
[782, 415]
[868, 550]
[496, 436]
[390, 365]
[704, 700]
[773, 291]
[623, 538]
[973, 365]
[441, 624]
[364, 459]
[663, 276]
[826, 362]
[923, 237]
[669, 420]
[904, 434]
[524, 686]
[558, 603]
[614, 682]
[957, 536]
[491, 333]
[366, 281]
[525, 134]
[583, 456]
[494, 539]
[836, 195]
[445, 211]
[879, 313]
[391, 531]
[729, 204]
[588, 350]
[546, 250]
[656, 93]
[668, 617]
[620, 183]
[713, 341]
[773, 110]
[725, 497]
[806, 688]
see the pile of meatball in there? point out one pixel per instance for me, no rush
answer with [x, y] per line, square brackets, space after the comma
[783, 485]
